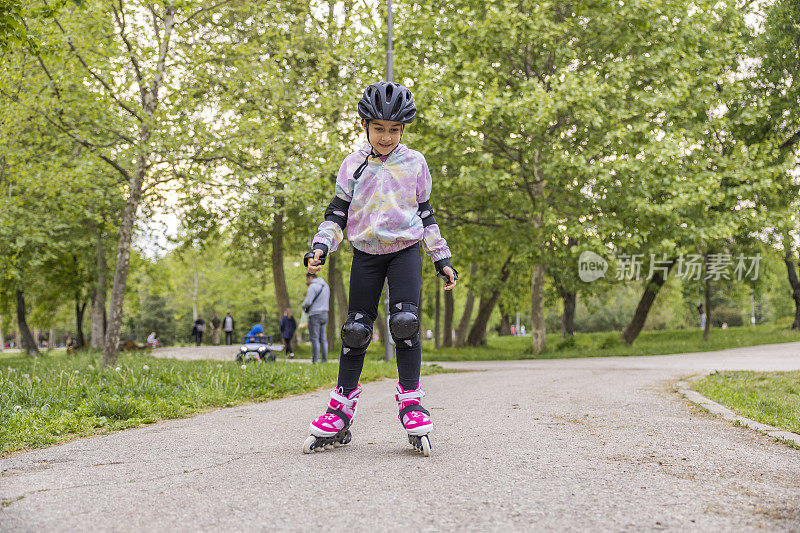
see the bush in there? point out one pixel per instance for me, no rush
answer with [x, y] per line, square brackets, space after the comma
[785, 322]
[566, 344]
[612, 340]
[726, 314]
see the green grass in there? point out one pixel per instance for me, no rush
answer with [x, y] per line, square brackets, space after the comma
[56, 397]
[608, 344]
[769, 397]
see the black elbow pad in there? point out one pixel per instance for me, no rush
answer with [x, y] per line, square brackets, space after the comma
[425, 212]
[337, 211]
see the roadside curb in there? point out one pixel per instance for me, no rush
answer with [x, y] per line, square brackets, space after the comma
[722, 411]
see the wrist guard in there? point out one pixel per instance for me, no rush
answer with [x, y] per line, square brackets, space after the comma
[310, 255]
[440, 264]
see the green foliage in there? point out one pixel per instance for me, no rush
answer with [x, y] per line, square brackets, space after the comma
[154, 314]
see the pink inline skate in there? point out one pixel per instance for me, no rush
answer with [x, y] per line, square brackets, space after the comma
[332, 429]
[415, 418]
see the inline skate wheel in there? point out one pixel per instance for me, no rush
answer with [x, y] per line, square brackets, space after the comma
[425, 446]
[309, 442]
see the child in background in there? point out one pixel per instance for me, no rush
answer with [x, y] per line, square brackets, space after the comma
[255, 333]
[288, 326]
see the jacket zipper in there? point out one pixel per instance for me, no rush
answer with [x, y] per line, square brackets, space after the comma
[380, 203]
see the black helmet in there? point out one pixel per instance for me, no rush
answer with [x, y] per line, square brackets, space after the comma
[386, 100]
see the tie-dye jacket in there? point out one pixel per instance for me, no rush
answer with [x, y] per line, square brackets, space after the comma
[383, 216]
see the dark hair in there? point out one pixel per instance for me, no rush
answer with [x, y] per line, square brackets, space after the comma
[310, 275]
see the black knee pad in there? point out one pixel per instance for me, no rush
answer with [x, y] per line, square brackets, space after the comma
[356, 334]
[404, 324]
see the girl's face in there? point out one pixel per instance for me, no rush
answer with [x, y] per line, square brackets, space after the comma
[384, 135]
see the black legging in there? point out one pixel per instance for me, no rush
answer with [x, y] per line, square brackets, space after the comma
[367, 275]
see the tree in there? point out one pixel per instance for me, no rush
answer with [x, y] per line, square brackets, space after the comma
[125, 51]
[283, 84]
[767, 112]
[548, 101]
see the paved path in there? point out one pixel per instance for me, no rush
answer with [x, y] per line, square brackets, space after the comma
[218, 353]
[573, 445]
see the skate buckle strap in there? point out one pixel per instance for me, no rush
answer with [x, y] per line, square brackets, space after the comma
[344, 400]
[341, 414]
[410, 395]
[412, 407]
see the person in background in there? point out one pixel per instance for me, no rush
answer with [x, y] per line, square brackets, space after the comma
[198, 329]
[316, 305]
[216, 323]
[70, 345]
[288, 327]
[152, 340]
[703, 316]
[227, 327]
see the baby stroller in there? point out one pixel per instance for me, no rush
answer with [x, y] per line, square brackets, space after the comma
[256, 347]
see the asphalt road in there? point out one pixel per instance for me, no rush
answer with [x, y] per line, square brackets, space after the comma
[569, 445]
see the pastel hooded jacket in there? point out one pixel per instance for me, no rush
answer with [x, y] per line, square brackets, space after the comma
[385, 206]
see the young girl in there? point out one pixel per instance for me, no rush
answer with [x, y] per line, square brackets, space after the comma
[383, 200]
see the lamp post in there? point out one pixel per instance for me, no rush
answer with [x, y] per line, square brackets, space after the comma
[389, 56]
[387, 342]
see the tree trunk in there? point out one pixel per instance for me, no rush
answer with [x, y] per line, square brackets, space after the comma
[466, 316]
[387, 346]
[149, 97]
[25, 338]
[708, 302]
[195, 289]
[568, 316]
[422, 332]
[477, 333]
[795, 285]
[80, 340]
[278, 275]
[437, 338]
[505, 324]
[380, 323]
[99, 297]
[537, 279]
[331, 329]
[2, 337]
[447, 330]
[340, 294]
[568, 298]
[537, 309]
[51, 339]
[636, 324]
